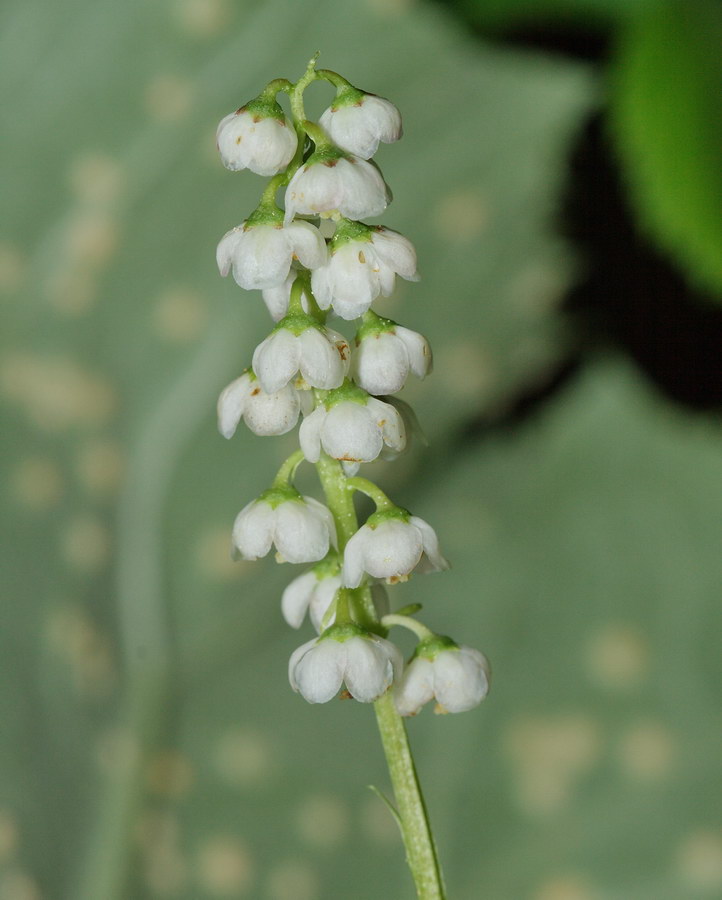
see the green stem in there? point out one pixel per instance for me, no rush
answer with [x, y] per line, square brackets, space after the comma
[285, 474]
[372, 492]
[413, 816]
[421, 631]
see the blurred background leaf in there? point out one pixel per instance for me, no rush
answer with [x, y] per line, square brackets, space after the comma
[666, 109]
[151, 747]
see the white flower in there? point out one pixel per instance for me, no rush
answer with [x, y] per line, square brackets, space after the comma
[261, 254]
[315, 591]
[391, 546]
[301, 527]
[277, 298]
[344, 653]
[361, 269]
[457, 676]
[321, 355]
[312, 592]
[263, 144]
[331, 181]
[359, 125]
[263, 413]
[383, 359]
[350, 430]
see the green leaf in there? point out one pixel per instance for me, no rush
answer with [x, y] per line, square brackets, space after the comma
[666, 108]
[503, 14]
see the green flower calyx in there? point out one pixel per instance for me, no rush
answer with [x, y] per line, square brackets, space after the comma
[348, 96]
[348, 230]
[384, 515]
[348, 392]
[341, 633]
[275, 496]
[297, 323]
[431, 647]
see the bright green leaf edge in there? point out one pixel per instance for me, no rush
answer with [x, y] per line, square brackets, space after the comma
[666, 119]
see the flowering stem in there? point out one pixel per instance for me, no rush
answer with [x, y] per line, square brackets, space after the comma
[413, 817]
[285, 474]
[372, 492]
[421, 631]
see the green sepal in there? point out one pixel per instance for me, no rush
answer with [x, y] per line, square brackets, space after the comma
[342, 633]
[297, 323]
[329, 566]
[348, 392]
[349, 230]
[431, 647]
[385, 515]
[348, 96]
[325, 155]
[374, 325]
[264, 107]
[275, 496]
[265, 214]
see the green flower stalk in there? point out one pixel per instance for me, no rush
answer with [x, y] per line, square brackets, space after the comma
[341, 390]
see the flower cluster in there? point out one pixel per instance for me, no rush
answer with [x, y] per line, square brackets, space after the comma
[313, 257]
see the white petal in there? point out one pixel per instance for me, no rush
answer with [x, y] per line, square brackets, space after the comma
[323, 513]
[318, 673]
[297, 597]
[269, 146]
[396, 251]
[389, 422]
[418, 349]
[253, 530]
[320, 362]
[461, 679]
[381, 363]
[369, 670]
[262, 258]
[350, 433]
[276, 298]
[321, 599]
[275, 360]
[392, 549]
[349, 280]
[431, 543]
[226, 249]
[296, 656]
[416, 686]
[359, 128]
[353, 558]
[364, 190]
[231, 404]
[308, 245]
[301, 535]
[309, 434]
[271, 414]
[315, 188]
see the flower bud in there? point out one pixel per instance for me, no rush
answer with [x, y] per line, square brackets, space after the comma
[258, 136]
[357, 121]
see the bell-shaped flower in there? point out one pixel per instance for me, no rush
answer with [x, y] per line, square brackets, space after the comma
[258, 136]
[300, 344]
[301, 528]
[457, 676]
[348, 654]
[363, 264]
[357, 121]
[315, 591]
[385, 354]
[332, 181]
[391, 545]
[351, 426]
[263, 413]
[261, 250]
[277, 298]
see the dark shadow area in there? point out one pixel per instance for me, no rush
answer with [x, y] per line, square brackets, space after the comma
[630, 298]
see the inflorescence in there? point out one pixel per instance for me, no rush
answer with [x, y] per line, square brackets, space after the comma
[310, 259]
